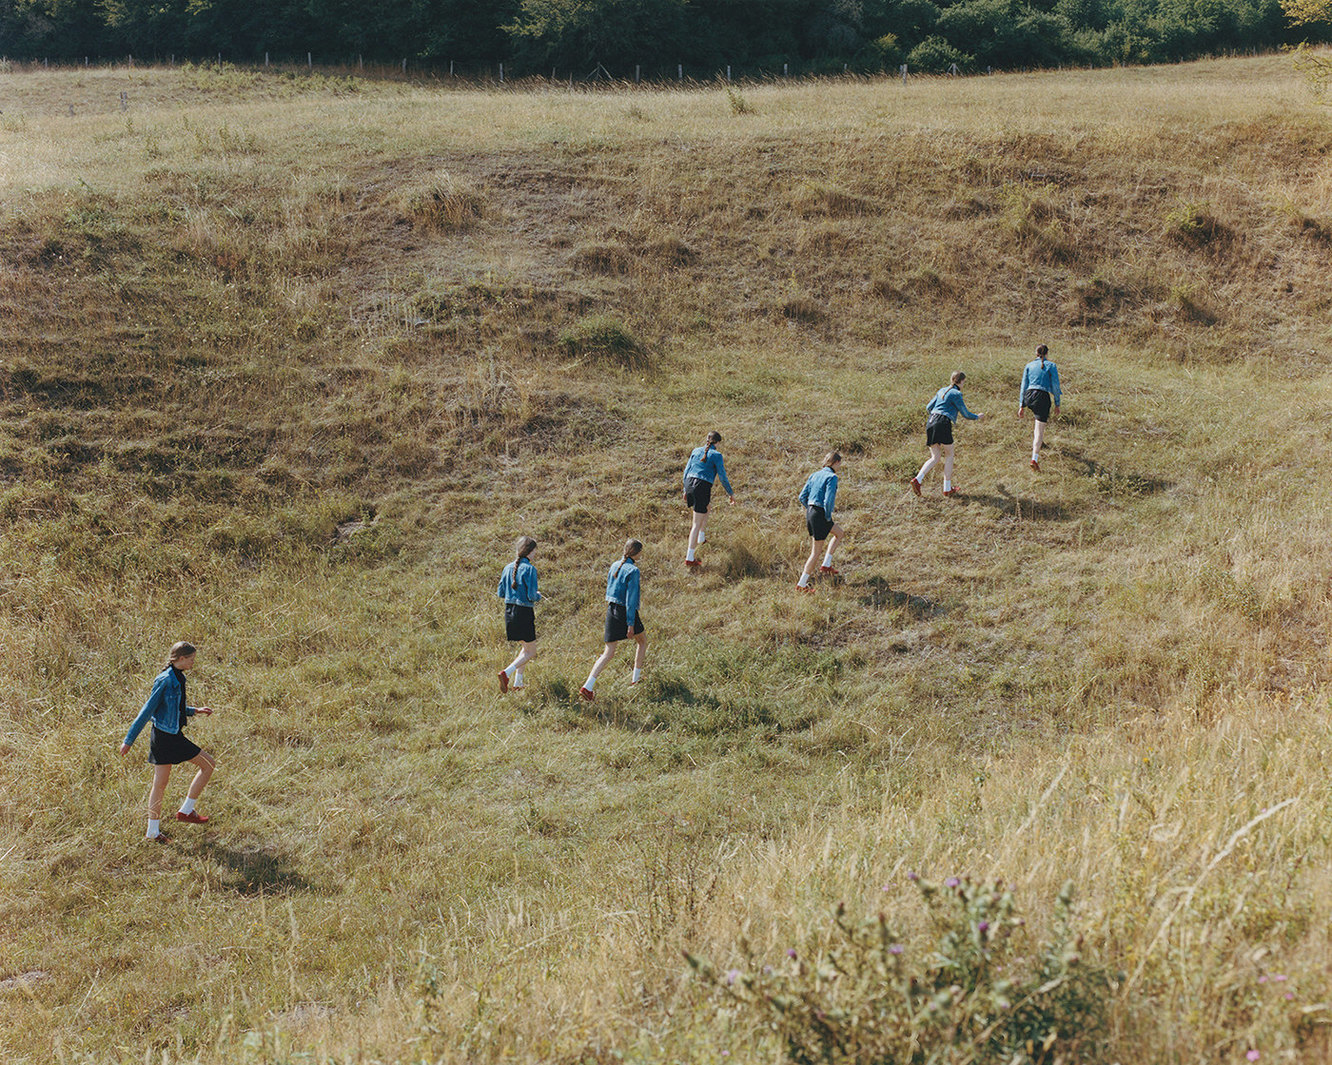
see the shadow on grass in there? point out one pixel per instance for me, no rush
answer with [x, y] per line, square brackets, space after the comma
[878, 595]
[1116, 482]
[250, 870]
[1017, 506]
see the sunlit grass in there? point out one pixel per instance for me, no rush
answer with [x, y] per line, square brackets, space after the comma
[286, 366]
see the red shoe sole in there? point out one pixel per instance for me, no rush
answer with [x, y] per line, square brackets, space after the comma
[589, 696]
[504, 681]
[915, 486]
[192, 819]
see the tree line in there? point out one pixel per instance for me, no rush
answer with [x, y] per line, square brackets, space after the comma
[578, 36]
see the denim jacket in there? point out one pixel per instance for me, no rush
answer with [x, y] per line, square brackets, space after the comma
[165, 705]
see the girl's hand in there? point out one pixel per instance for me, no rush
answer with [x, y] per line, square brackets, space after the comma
[124, 749]
[204, 710]
[980, 417]
[1020, 411]
[730, 500]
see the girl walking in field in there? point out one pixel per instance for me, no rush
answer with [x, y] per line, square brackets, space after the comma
[818, 497]
[942, 412]
[1040, 389]
[701, 471]
[622, 617]
[518, 589]
[167, 745]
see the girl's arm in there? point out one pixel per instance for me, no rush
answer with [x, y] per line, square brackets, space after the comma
[1054, 380]
[532, 594]
[962, 408]
[631, 599]
[721, 472]
[155, 697]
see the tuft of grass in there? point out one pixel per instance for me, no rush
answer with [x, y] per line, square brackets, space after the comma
[604, 338]
[443, 202]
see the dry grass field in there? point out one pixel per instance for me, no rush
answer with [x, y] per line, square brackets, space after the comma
[287, 364]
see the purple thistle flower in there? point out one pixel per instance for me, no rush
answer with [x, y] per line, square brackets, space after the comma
[896, 948]
[732, 975]
[1290, 995]
[1253, 1055]
[913, 876]
[1263, 979]
[952, 881]
[1279, 977]
[790, 952]
[984, 926]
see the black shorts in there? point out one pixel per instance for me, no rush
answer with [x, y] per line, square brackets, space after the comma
[519, 622]
[617, 623]
[1037, 400]
[938, 430]
[817, 523]
[170, 748]
[698, 494]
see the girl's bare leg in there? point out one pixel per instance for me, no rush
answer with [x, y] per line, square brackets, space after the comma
[700, 523]
[948, 465]
[812, 563]
[640, 651]
[524, 656]
[604, 660]
[206, 763]
[161, 774]
[935, 450]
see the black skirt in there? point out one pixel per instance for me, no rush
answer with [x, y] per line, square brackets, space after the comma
[519, 622]
[617, 623]
[938, 430]
[698, 494]
[170, 748]
[816, 521]
[1037, 400]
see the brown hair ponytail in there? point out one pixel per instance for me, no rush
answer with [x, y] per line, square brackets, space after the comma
[831, 457]
[524, 547]
[1042, 351]
[714, 437]
[631, 549]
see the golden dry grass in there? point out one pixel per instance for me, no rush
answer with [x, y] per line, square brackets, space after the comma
[227, 334]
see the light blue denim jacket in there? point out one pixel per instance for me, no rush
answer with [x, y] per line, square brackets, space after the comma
[164, 706]
[1043, 376]
[706, 464]
[948, 401]
[820, 491]
[622, 588]
[526, 593]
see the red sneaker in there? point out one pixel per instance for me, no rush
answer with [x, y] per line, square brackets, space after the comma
[953, 491]
[807, 588]
[504, 681]
[693, 563]
[586, 694]
[161, 837]
[915, 486]
[830, 570]
[1035, 465]
[192, 818]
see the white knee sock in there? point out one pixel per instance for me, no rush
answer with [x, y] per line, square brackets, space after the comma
[591, 682]
[154, 828]
[187, 807]
[804, 581]
[638, 675]
[689, 555]
[947, 484]
[518, 678]
[827, 557]
[702, 537]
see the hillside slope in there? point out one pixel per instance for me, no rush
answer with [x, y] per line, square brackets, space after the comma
[286, 366]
